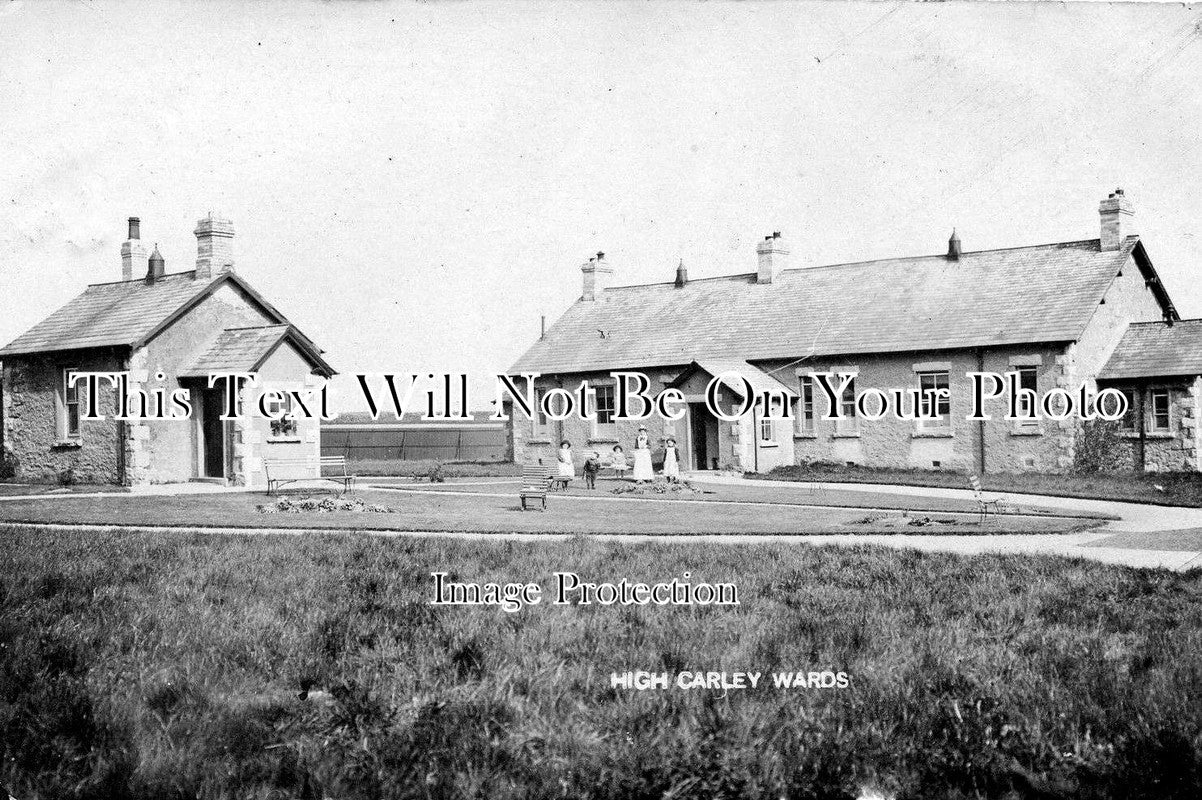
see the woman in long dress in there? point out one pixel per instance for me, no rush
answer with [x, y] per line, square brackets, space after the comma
[642, 457]
[671, 466]
[566, 468]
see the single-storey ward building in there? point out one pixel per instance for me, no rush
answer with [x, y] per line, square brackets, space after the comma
[1055, 314]
[169, 331]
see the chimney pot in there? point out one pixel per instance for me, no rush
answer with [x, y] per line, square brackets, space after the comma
[682, 275]
[135, 228]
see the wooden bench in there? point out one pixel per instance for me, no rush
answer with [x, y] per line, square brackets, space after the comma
[984, 504]
[535, 480]
[285, 471]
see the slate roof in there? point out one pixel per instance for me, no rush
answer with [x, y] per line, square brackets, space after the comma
[126, 313]
[245, 350]
[1044, 293]
[1157, 349]
[759, 380]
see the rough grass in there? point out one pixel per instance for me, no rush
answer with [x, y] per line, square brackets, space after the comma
[173, 666]
[1161, 488]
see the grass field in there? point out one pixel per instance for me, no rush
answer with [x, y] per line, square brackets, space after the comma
[1161, 488]
[496, 509]
[172, 666]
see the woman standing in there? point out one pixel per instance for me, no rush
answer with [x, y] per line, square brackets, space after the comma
[671, 466]
[642, 457]
[566, 468]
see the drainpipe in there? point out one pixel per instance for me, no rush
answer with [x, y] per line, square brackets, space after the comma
[981, 423]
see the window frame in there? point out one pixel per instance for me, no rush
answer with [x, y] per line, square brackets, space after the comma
[1153, 394]
[849, 423]
[944, 421]
[1033, 422]
[284, 429]
[805, 424]
[65, 405]
[540, 423]
[1130, 421]
[604, 430]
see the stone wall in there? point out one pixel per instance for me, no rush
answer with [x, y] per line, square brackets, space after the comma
[33, 440]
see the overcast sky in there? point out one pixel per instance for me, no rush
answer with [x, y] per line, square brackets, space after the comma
[414, 185]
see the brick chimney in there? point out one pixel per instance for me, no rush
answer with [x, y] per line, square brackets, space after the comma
[133, 252]
[1118, 220]
[597, 274]
[214, 247]
[774, 257]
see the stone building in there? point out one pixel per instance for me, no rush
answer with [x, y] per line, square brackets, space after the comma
[1052, 313]
[1158, 366]
[169, 331]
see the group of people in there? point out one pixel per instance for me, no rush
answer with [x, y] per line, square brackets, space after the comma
[643, 470]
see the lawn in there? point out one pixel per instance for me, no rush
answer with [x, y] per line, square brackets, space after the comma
[1163, 488]
[496, 509]
[173, 666]
[394, 467]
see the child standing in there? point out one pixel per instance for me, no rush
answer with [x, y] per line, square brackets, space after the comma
[671, 465]
[618, 461]
[592, 465]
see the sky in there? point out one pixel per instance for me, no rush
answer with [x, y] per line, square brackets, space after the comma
[414, 185]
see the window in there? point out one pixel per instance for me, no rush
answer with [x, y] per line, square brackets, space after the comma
[541, 422]
[1159, 420]
[936, 410]
[1026, 403]
[772, 408]
[1129, 419]
[287, 427]
[604, 426]
[68, 406]
[848, 424]
[805, 406]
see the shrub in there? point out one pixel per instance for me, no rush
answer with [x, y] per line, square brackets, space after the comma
[1099, 446]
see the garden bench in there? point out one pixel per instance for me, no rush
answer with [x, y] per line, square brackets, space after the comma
[285, 471]
[535, 480]
[984, 504]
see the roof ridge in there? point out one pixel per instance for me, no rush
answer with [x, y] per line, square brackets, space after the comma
[1163, 322]
[143, 279]
[871, 261]
[258, 327]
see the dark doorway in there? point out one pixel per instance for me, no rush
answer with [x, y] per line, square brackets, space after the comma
[703, 437]
[212, 434]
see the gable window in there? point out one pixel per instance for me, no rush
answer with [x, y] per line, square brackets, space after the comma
[68, 406]
[936, 409]
[603, 426]
[285, 429]
[1027, 379]
[1159, 419]
[848, 424]
[805, 406]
